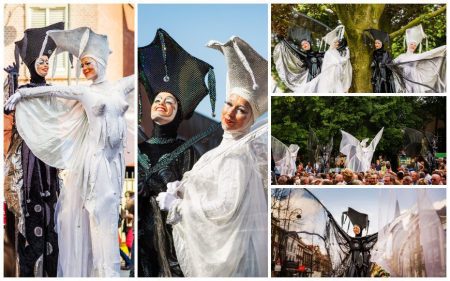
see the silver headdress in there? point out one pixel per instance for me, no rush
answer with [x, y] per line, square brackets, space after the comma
[82, 42]
[247, 73]
[332, 36]
[416, 34]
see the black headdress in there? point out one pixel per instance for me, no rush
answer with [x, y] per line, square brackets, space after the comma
[356, 218]
[30, 46]
[370, 35]
[164, 66]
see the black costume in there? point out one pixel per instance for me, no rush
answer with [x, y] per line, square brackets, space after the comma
[34, 207]
[163, 158]
[356, 262]
[382, 77]
[312, 61]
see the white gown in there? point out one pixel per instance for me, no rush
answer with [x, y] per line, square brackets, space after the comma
[335, 75]
[427, 68]
[83, 130]
[220, 225]
[359, 157]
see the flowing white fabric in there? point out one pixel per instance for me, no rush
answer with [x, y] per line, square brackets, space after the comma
[359, 156]
[290, 68]
[425, 68]
[413, 243]
[335, 75]
[83, 130]
[284, 157]
[222, 216]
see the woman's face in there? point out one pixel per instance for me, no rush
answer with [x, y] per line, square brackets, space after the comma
[89, 68]
[412, 47]
[356, 229]
[236, 114]
[164, 108]
[305, 45]
[336, 44]
[378, 44]
[42, 66]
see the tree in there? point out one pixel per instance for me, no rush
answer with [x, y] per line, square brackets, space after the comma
[392, 18]
[362, 117]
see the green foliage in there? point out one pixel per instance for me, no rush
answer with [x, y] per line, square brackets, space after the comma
[362, 117]
[393, 18]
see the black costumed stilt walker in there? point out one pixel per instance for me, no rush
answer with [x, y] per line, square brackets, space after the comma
[382, 78]
[351, 255]
[31, 186]
[165, 67]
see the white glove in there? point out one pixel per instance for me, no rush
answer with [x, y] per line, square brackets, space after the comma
[165, 200]
[172, 187]
[12, 101]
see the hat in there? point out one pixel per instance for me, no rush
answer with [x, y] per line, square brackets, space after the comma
[375, 34]
[247, 73]
[416, 34]
[29, 48]
[82, 42]
[164, 66]
[356, 218]
[335, 34]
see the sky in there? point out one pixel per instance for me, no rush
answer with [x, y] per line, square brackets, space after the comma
[366, 200]
[194, 25]
[372, 201]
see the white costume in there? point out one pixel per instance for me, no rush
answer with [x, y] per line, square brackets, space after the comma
[284, 157]
[220, 221]
[336, 69]
[359, 156]
[82, 129]
[422, 72]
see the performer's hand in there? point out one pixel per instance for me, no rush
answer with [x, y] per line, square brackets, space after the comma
[172, 187]
[12, 101]
[12, 69]
[165, 200]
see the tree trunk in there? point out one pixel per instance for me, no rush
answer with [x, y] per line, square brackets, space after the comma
[356, 18]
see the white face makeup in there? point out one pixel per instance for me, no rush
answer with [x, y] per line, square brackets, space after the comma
[336, 44]
[89, 68]
[164, 108]
[412, 46]
[236, 114]
[41, 66]
[305, 45]
[378, 44]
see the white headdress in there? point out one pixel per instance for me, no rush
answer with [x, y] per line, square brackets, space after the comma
[247, 73]
[416, 34]
[82, 42]
[332, 36]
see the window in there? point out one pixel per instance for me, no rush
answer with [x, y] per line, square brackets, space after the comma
[43, 15]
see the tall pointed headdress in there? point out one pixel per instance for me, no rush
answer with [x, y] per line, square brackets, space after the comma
[34, 44]
[247, 73]
[81, 42]
[416, 34]
[164, 66]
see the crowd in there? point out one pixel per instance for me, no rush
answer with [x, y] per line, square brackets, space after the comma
[380, 173]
